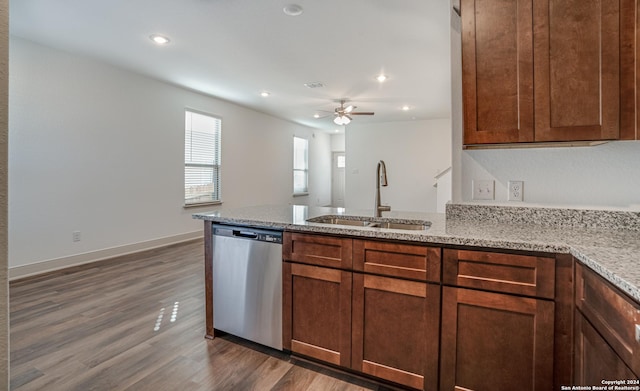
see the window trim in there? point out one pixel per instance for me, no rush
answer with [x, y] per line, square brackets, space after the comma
[216, 167]
[304, 192]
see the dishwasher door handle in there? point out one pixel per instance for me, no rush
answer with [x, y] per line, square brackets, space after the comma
[245, 234]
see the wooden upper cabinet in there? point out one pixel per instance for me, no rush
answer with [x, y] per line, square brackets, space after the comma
[577, 70]
[548, 70]
[497, 71]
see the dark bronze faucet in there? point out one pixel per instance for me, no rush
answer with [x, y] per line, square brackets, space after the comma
[381, 180]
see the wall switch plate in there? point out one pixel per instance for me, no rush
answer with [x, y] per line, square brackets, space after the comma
[76, 236]
[516, 189]
[483, 189]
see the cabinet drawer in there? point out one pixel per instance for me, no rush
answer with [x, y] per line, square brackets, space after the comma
[508, 273]
[397, 260]
[612, 314]
[317, 250]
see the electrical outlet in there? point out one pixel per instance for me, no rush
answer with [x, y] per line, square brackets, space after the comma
[516, 189]
[76, 236]
[483, 189]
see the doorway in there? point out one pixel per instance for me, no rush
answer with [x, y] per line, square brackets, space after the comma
[337, 179]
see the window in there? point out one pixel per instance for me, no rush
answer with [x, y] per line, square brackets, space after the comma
[201, 158]
[300, 166]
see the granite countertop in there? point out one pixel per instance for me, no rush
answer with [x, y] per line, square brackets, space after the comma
[607, 242]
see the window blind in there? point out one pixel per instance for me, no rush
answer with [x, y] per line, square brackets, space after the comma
[201, 158]
[300, 165]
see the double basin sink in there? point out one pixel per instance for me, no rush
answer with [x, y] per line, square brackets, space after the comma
[358, 221]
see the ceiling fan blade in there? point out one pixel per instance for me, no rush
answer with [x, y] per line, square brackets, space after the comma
[363, 113]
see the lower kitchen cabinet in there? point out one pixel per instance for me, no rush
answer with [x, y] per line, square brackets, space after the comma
[395, 330]
[607, 336]
[317, 312]
[595, 359]
[495, 341]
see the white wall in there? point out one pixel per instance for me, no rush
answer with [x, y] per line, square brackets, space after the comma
[604, 177]
[4, 145]
[413, 151]
[456, 105]
[98, 149]
[319, 169]
[338, 142]
[601, 176]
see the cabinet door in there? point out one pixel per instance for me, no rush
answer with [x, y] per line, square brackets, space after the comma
[497, 71]
[595, 360]
[317, 312]
[578, 69]
[611, 313]
[494, 341]
[395, 330]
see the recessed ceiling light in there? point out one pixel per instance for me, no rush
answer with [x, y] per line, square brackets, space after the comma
[264, 94]
[292, 9]
[159, 39]
[337, 130]
[406, 108]
[316, 115]
[381, 78]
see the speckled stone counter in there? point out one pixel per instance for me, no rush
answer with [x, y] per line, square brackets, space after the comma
[606, 241]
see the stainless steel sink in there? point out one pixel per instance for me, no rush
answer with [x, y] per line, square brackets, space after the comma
[360, 221]
[408, 226]
[336, 221]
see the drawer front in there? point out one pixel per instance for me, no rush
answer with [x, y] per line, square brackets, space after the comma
[397, 260]
[616, 317]
[519, 274]
[317, 250]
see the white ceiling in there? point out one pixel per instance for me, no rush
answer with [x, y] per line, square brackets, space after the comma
[234, 49]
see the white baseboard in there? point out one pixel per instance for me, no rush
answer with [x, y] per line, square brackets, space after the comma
[99, 255]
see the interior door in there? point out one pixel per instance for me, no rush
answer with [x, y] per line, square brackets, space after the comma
[337, 179]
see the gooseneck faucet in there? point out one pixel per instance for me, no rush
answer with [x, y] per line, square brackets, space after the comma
[381, 180]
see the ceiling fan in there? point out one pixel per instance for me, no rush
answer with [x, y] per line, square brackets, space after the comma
[343, 114]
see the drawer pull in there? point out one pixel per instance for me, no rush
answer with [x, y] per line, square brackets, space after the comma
[638, 333]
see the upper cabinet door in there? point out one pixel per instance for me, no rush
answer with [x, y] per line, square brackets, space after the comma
[497, 71]
[577, 69]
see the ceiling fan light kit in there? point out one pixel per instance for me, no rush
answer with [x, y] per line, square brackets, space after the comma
[341, 120]
[343, 114]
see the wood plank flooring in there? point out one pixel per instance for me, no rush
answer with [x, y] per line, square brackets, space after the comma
[137, 323]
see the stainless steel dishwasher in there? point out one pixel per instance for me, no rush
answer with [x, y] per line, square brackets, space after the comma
[247, 283]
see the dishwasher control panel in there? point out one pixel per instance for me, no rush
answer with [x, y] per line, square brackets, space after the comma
[270, 238]
[261, 235]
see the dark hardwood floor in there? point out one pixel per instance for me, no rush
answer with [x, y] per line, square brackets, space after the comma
[137, 323]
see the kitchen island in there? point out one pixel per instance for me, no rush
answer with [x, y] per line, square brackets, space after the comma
[523, 258]
[606, 241]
